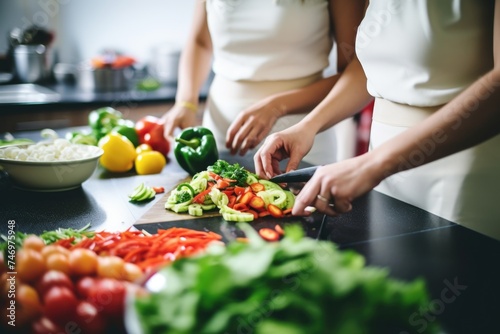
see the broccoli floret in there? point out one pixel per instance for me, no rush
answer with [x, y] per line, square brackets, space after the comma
[226, 170]
[183, 196]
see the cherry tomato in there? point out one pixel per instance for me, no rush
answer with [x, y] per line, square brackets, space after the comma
[33, 242]
[89, 319]
[30, 265]
[83, 286]
[53, 249]
[150, 163]
[30, 307]
[108, 295]
[133, 272]
[53, 278]
[60, 304]
[111, 267]
[83, 262]
[46, 326]
[58, 261]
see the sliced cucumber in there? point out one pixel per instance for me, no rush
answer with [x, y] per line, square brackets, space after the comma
[195, 209]
[142, 193]
[290, 199]
[270, 185]
[237, 217]
[252, 178]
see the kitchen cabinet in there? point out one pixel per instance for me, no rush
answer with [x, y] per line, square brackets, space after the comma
[56, 117]
[70, 107]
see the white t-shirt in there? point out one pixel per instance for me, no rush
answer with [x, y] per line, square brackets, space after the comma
[269, 39]
[425, 52]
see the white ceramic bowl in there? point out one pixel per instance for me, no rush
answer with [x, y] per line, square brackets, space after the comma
[51, 175]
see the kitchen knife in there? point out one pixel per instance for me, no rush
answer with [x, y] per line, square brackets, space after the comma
[299, 175]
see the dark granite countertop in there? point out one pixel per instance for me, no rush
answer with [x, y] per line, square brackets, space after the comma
[459, 266]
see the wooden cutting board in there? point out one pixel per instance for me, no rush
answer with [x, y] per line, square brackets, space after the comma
[158, 214]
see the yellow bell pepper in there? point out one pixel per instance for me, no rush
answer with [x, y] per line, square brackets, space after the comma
[119, 153]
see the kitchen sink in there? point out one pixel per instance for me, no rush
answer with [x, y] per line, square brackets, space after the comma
[27, 93]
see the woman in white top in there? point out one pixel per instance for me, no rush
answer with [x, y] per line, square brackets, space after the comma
[268, 59]
[434, 70]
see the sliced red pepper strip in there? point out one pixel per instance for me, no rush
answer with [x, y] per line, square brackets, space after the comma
[254, 213]
[222, 184]
[279, 229]
[264, 213]
[240, 207]
[246, 197]
[239, 190]
[200, 198]
[159, 190]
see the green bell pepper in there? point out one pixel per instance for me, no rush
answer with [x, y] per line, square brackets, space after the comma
[196, 149]
[103, 120]
[126, 128]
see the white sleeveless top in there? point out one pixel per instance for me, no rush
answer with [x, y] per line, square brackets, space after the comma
[269, 39]
[401, 42]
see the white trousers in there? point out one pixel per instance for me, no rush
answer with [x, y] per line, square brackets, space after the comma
[463, 188]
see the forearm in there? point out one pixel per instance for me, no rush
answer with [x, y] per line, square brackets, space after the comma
[469, 119]
[194, 67]
[347, 97]
[302, 100]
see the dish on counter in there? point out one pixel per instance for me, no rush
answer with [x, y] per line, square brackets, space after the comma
[49, 166]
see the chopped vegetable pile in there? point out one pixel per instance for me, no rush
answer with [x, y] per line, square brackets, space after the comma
[295, 286]
[238, 194]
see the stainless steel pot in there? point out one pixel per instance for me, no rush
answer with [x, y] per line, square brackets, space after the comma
[33, 63]
[89, 78]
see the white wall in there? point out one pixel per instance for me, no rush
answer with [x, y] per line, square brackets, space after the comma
[84, 28]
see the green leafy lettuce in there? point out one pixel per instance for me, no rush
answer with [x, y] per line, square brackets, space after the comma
[295, 286]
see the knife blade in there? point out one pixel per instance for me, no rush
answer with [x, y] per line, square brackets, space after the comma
[299, 175]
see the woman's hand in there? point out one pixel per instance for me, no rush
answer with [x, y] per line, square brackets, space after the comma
[333, 187]
[251, 126]
[178, 117]
[282, 145]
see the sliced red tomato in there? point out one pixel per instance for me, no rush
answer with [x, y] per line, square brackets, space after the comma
[269, 234]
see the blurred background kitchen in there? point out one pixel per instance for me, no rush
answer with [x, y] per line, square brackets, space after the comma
[61, 59]
[83, 29]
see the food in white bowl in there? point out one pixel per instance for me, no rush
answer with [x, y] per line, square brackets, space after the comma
[50, 166]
